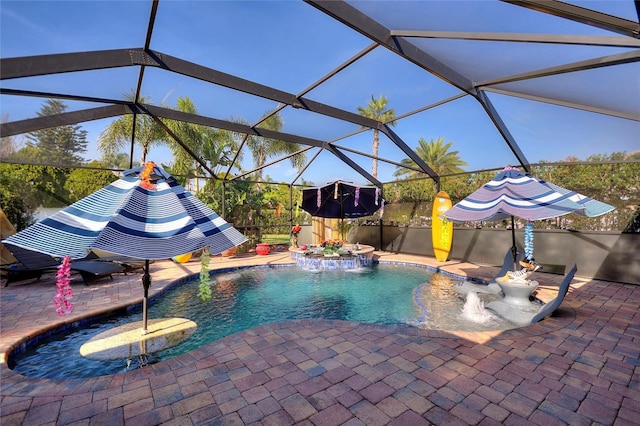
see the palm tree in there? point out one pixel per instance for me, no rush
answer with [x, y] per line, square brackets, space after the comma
[437, 156]
[263, 148]
[116, 161]
[193, 136]
[117, 136]
[377, 110]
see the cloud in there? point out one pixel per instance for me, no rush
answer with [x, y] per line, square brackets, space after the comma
[25, 24]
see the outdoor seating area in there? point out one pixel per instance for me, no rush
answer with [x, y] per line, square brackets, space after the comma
[518, 315]
[33, 264]
[575, 367]
[129, 264]
[271, 190]
[519, 304]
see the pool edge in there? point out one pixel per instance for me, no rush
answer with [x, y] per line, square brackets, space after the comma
[479, 337]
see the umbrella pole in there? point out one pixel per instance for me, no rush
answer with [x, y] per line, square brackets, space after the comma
[514, 249]
[146, 283]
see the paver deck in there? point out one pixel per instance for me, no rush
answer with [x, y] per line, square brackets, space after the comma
[580, 366]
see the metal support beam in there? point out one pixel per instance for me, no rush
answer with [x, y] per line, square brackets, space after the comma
[179, 141]
[269, 134]
[235, 157]
[384, 160]
[582, 15]
[286, 157]
[411, 154]
[504, 131]
[49, 95]
[223, 190]
[618, 114]
[607, 61]
[354, 165]
[198, 119]
[71, 62]
[134, 123]
[523, 38]
[30, 66]
[365, 25]
[64, 119]
[290, 208]
[293, 181]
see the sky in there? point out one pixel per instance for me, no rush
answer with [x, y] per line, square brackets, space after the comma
[290, 45]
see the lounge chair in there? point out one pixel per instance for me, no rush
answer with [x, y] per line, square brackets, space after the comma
[129, 264]
[523, 316]
[491, 288]
[507, 264]
[33, 264]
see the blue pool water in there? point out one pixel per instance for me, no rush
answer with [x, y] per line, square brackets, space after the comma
[381, 294]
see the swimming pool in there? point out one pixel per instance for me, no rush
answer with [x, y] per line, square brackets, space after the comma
[246, 298]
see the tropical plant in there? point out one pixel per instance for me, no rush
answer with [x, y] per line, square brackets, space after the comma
[120, 161]
[35, 185]
[264, 148]
[438, 157]
[62, 145]
[82, 182]
[195, 137]
[343, 227]
[19, 214]
[218, 149]
[377, 110]
[118, 134]
[605, 180]
[10, 144]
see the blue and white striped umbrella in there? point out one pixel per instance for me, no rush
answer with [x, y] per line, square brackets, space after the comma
[127, 219]
[513, 193]
[145, 215]
[589, 206]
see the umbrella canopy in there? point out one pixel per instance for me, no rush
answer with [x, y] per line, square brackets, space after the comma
[588, 206]
[340, 200]
[145, 215]
[513, 193]
[160, 221]
[518, 194]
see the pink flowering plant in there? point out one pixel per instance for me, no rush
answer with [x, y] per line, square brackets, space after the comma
[64, 293]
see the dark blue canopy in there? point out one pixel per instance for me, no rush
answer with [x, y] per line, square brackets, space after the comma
[341, 200]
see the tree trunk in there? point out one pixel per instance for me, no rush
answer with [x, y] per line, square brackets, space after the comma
[376, 144]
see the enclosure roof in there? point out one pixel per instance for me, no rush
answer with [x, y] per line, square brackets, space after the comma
[507, 82]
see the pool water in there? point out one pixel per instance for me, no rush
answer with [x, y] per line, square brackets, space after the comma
[381, 294]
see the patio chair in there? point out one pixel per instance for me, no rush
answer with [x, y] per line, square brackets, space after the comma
[491, 288]
[507, 264]
[33, 264]
[129, 264]
[519, 316]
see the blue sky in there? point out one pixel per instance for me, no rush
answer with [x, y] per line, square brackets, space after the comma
[290, 45]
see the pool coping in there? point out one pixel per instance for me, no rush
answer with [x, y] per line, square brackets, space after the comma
[334, 372]
[563, 317]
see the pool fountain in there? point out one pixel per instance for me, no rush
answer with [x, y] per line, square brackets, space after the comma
[316, 258]
[474, 310]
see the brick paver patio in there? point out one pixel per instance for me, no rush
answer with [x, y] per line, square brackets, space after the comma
[579, 367]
